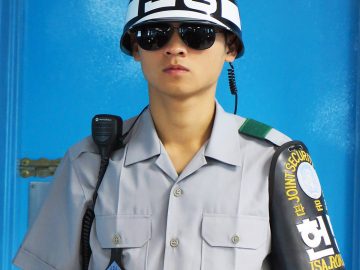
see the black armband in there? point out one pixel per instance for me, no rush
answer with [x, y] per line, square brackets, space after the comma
[302, 237]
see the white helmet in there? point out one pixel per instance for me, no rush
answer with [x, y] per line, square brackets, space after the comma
[222, 13]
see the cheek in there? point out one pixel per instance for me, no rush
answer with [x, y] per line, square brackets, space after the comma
[216, 70]
[214, 63]
[145, 69]
[149, 69]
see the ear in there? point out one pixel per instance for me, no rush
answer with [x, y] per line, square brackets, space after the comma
[136, 52]
[230, 55]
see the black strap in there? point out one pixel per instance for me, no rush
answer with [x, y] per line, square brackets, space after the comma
[89, 218]
[116, 262]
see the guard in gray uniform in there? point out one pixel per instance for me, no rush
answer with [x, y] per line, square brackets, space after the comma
[193, 187]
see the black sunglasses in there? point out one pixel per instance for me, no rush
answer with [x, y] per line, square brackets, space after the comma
[154, 36]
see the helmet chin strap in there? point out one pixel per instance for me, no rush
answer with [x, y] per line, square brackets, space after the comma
[232, 85]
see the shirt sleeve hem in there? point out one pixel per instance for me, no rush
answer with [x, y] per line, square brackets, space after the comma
[26, 260]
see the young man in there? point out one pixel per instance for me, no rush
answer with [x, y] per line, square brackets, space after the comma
[187, 191]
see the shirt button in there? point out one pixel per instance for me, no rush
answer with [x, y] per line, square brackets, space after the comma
[174, 242]
[116, 239]
[235, 239]
[178, 192]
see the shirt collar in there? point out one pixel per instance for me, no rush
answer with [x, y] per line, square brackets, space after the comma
[224, 139]
[144, 142]
[224, 142]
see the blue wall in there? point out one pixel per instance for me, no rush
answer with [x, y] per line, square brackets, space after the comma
[356, 211]
[298, 74]
[3, 95]
[12, 217]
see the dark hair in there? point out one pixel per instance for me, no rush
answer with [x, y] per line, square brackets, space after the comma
[233, 42]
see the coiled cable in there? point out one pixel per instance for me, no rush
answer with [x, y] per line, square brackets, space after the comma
[232, 85]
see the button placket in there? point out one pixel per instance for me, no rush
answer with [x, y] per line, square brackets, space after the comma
[173, 246]
[174, 242]
[178, 192]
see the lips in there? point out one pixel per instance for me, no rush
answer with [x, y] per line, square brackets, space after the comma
[175, 69]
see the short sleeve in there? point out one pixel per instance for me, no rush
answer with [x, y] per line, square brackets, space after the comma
[53, 241]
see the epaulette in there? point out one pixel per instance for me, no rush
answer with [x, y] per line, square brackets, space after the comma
[262, 131]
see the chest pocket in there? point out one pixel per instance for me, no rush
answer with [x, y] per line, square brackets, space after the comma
[228, 242]
[129, 232]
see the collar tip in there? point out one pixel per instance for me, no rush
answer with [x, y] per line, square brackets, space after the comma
[235, 162]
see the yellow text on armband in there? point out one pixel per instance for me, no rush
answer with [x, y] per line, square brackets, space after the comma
[291, 187]
[319, 206]
[295, 158]
[328, 263]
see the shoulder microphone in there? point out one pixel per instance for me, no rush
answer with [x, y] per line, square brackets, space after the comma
[107, 135]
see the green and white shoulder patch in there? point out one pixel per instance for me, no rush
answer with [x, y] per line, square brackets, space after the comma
[262, 131]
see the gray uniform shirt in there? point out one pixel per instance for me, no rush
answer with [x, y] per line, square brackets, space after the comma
[212, 216]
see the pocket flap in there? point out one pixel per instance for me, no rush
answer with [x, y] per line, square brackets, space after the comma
[248, 232]
[123, 231]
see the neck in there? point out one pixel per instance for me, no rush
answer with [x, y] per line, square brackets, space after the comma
[183, 122]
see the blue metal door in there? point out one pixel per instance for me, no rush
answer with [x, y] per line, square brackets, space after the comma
[61, 64]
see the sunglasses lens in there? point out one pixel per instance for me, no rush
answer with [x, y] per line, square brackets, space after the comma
[199, 37]
[153, 37]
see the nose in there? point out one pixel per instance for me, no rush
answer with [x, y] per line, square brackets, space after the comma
[175, 46]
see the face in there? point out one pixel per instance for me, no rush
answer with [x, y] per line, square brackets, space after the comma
[178, 71]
